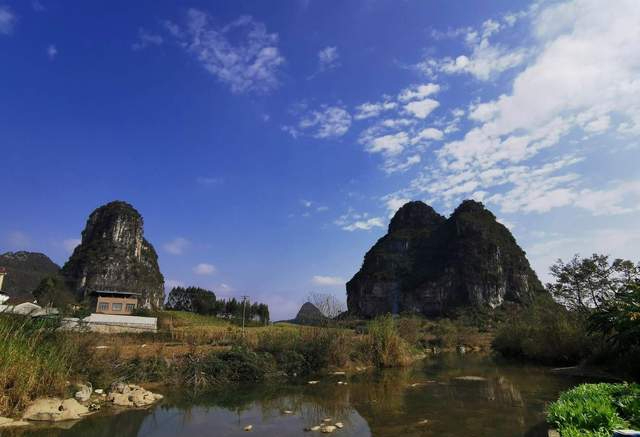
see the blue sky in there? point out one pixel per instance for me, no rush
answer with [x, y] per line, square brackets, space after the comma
[267, 144]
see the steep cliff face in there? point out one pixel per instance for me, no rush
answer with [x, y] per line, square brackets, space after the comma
[431, 265]
[25, 270]
[114, 255]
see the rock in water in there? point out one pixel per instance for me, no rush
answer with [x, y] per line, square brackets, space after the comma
[114, 255]
[431, 265]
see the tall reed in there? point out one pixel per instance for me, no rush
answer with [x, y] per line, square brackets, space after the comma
[35, 360]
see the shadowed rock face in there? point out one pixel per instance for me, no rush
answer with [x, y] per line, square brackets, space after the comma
[431, 265]
[114, 255]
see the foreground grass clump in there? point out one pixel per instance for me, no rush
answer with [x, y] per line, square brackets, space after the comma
[35, 360]
[383, 346]
[595, 410]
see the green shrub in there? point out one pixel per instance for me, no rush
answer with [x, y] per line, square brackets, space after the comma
[595, 409]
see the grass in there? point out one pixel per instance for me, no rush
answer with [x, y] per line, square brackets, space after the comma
[34, 360]
[595, 410]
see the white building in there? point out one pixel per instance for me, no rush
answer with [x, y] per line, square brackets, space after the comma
[3, 297]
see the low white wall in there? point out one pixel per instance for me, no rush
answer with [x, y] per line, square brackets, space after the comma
[108, 323]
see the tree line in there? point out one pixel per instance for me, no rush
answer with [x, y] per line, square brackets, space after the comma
[202, 301]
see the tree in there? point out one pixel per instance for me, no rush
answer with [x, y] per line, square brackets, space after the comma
[52, 291]
[585, 284]
[328, 305]
[619, 318]
[192, 299]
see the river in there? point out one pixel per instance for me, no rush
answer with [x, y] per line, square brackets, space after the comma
[445, 395]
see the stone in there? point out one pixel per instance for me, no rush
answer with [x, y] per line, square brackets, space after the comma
[84, 392]
[114, 255]
[313, 382]
[433, 265]
[6, 422]
[339, 425]
[327, 429]
[313, 428]
[424, 422]
[131, 395]
[55, 410]
[287, 412]
[99, 391]
[326, 419]
[470, 378]
[248, 427]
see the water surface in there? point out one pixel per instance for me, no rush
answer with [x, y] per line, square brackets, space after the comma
[436, 397]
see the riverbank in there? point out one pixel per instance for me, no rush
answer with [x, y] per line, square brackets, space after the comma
[444, 394]
[198, 352]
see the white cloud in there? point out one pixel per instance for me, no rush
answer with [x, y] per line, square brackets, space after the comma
[419, 92]
[146, 39]
[388, 144]
[329, 281]
[582, 79]
[364, 225]
[241, 54]
[485, 61]
[394, 203]
[395, 165]
[37, 6]
[328, 58]
[52, 52]
[421, 108]
[353, 221]
[8, 20]
[325, 122]
[70, 243]
[204, 269]
[620, 199]
[177, 246]
[428, 134]
[368, 110]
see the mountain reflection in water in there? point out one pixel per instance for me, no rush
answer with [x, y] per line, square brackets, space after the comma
[446, 395]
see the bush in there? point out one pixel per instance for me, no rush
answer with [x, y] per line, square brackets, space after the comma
[596, 409]
[547, 333]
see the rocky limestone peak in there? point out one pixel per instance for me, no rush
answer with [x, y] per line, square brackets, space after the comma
[114, 255]
[467, 260]
[415, 215]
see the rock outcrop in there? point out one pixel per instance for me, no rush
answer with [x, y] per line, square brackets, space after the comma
[25, 270]
[114, 255]
[432, 265]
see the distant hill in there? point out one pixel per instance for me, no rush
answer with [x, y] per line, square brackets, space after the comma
[25, 270]
[309, 314]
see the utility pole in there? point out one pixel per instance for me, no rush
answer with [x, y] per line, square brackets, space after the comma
[244, 306]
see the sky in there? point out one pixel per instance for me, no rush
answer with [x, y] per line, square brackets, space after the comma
[267, 144]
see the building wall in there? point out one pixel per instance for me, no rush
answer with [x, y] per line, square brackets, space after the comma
[109, 301]
[1, 280]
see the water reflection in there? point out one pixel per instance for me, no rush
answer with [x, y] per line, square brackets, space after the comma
[444, 396]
